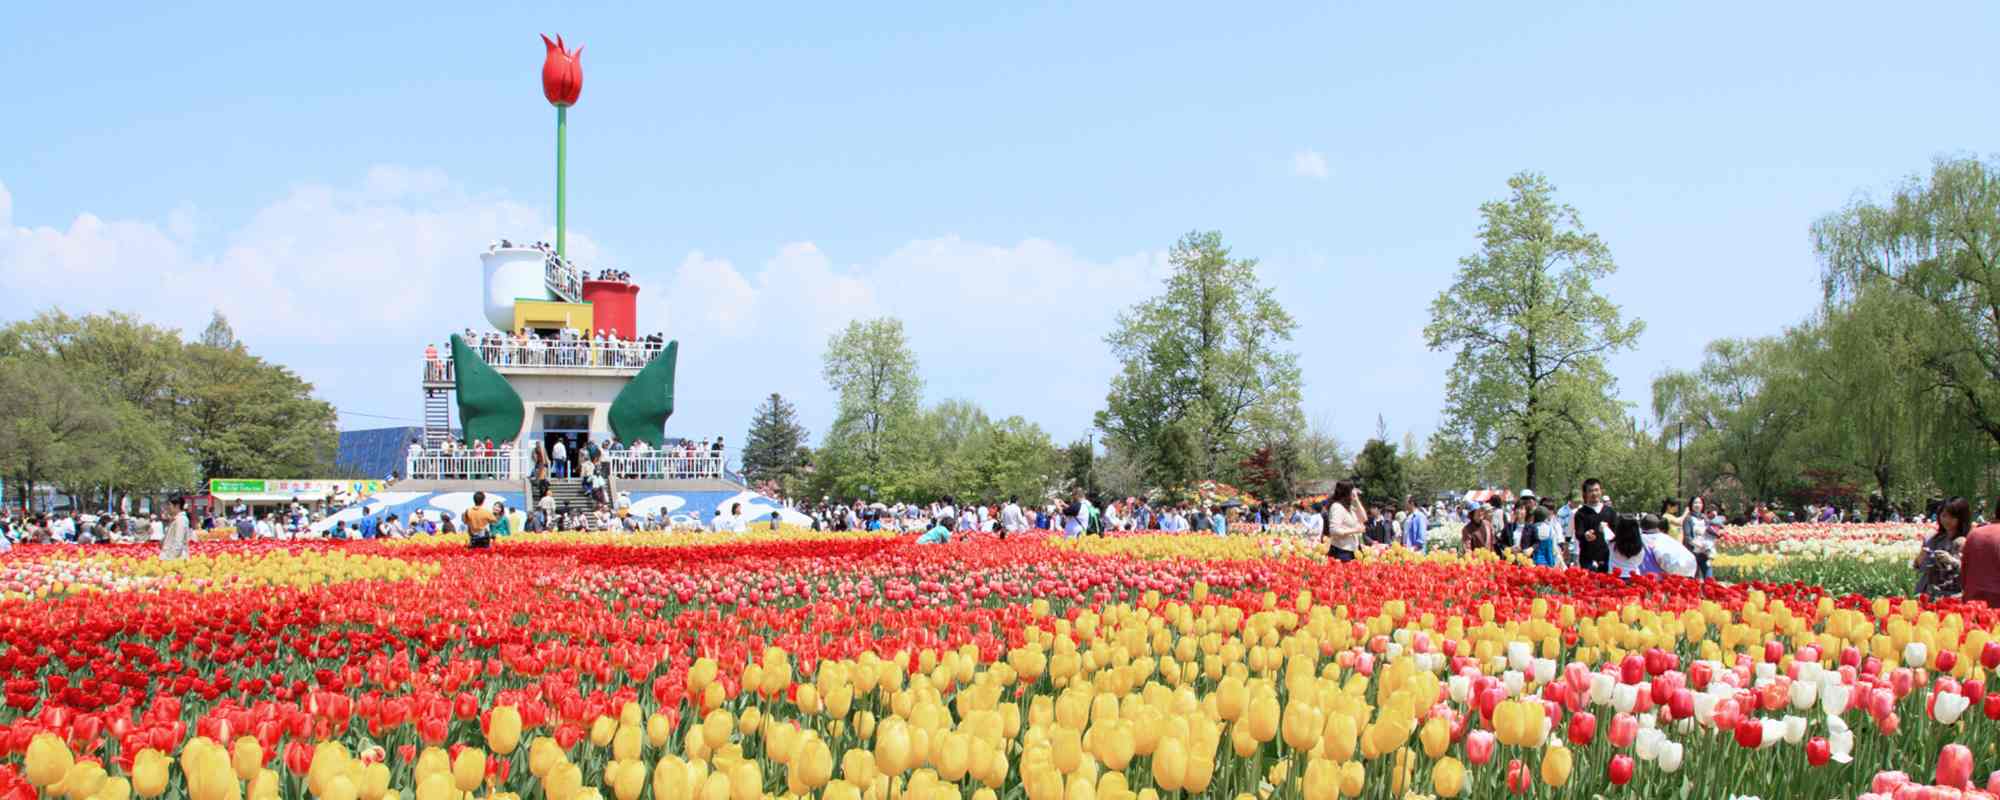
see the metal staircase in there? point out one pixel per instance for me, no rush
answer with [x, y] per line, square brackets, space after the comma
[563, 279]
[437, 417]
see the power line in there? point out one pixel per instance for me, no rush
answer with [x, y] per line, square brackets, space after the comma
[376, 416]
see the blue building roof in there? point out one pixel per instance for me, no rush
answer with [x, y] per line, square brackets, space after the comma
[376, 452]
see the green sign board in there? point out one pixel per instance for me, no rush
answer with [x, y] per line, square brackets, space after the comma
[235, 485]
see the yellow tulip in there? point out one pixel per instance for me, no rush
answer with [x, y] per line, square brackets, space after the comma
[469, 769]
[83, 780]
[627, 781]
[1352, 778]
[564, 782]
[264, 786]
[716, 787]
[542, 756]
[1322, 779]
[1066, 746]
[437, 786]
[1302, 726]
[1436, 737]
[714, 730]
[746, 782]
[1556, 765]
[602, 729]
[1169, 764]
[658, 732]
[1340, 734]
[48, 760]
[1263, 714]
[1448, 777]
[625, 743]
[247, 757]
[339, 788]
[115, 789]
[892, 747]
[814, 762]
[503, 730]
[149, 773]
[670, 779]
[1230, 698]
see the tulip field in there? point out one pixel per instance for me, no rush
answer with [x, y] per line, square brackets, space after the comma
[844, 666]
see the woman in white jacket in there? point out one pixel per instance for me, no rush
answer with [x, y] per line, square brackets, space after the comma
[1345, 521]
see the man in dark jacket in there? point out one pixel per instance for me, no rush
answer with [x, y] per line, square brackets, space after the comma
[1590, 528]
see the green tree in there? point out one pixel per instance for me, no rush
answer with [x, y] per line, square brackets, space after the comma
[1204, 367]
[773, 449]
[1935, 242]
[1079, 466]
[1012, 458]
[55, 428]
[873, 374]
[1530, 330]
[1380, 472]
[219, 334]
[242, 416]
[1746, 404]
[1273, 472]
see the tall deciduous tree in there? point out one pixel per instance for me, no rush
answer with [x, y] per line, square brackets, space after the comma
[1936, 242]
[1205, 366]
[243, 416]
[1529, 329]
[1746, 406]
[1380, 471]
[873, 375]
[771, 452]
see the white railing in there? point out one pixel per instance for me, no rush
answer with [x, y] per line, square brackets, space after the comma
[465, 465]
[663, 465]
[514, 464]
[558, 354]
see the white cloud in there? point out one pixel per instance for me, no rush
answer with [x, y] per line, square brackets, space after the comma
[1309, 163]
[324, 279]
[1018, 328]
[346, 283]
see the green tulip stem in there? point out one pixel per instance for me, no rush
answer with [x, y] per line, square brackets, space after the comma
[562, 159]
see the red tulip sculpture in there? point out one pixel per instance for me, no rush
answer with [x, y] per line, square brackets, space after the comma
[562, 82]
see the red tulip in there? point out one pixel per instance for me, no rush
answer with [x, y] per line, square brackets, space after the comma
[1992, 706]
[1850, 656]
[1774, 651]
[1818, 751]
[1582, 727]
[562, 73]
[1631, 669]
[1624, 728]
[1954, 767]
[1750, 732]
[1946, 659]
[1620, 769]
[1989, 655]
[1519, 778]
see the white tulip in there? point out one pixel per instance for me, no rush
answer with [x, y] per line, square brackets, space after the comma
[1624, 697]
[1773, 731]
[1519, 654]
[1647, 745]
[1544, 670]
[1834, 698]
[1804, 693]
[1839, 739]
[1947, 707]
[1795, 728]
[1766, 672]
[1670, 756]
[1460, 687]
[1514, 681]
[1600, 688]
[1704, 708]
[1915, 655]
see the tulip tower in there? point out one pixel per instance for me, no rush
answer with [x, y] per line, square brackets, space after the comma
[562, 81]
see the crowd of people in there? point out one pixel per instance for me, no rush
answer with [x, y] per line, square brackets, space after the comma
[483, 459]
[614, 275]
[566, 347]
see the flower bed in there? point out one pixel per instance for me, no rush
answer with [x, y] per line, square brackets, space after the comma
[575, 667]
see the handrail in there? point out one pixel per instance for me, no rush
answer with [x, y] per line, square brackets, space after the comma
[562, 278]
[555, 354]
[664, 465]
[516, 463]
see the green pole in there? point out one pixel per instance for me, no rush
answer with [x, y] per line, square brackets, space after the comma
[562, 156]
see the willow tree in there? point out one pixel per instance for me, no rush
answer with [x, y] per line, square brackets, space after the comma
[1530, 330]
[1936, 245]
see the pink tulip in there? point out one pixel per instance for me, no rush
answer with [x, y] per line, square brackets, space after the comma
[1954, 767]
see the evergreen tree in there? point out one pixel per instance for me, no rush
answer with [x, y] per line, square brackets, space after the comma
[772, 450]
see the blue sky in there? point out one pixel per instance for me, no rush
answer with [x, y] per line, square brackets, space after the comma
[1004, 180]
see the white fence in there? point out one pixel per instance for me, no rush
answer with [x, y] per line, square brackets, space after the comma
[560, 354]
[465, 465]
[516, 464]
[664, 465]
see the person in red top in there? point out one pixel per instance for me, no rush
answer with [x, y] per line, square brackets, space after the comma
[1980, 562]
